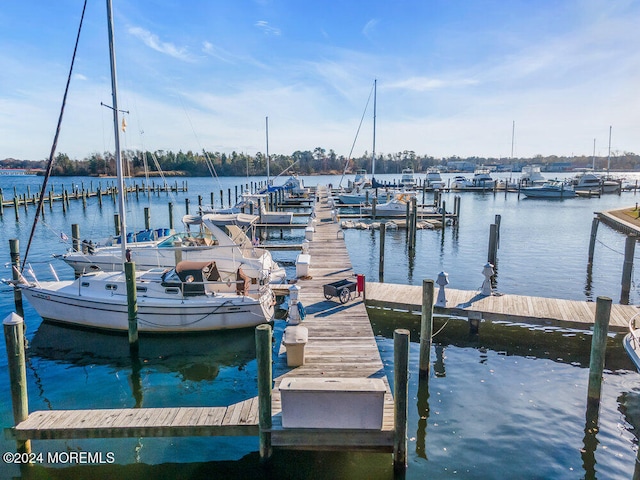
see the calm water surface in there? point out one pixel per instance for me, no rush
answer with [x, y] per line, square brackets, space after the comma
[509, 403]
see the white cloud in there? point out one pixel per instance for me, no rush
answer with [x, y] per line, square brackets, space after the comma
[151, 40]
[266, 28]
[369, 27]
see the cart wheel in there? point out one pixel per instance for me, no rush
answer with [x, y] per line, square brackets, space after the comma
[345, 295]
[327, 296]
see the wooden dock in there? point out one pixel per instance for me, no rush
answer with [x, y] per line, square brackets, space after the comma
[340, 344]
[503, 307]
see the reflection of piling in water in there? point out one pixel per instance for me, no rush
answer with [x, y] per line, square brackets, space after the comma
[401, 397]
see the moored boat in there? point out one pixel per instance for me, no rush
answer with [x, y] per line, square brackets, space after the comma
[550, 189]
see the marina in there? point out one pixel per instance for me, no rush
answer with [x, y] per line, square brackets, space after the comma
[329, 350]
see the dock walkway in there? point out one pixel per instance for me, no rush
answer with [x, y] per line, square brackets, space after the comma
[505, 307]
[340, 344]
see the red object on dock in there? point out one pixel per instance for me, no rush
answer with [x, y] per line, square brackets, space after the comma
[360, 283]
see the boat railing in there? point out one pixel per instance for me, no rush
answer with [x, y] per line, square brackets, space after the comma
[634, 331]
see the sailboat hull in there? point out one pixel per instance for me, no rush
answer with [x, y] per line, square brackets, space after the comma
[155, 315]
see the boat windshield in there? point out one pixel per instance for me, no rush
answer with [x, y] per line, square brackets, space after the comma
[188, 239]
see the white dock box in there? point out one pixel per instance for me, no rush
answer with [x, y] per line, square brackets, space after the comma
[332, 402]
[303, 261]
[308, 233]
[295, 338]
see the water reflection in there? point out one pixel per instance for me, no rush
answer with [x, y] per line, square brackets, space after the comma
[195, 358]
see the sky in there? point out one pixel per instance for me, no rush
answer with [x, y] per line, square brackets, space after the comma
[464, 78]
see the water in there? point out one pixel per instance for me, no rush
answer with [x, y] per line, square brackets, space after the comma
[509, 403]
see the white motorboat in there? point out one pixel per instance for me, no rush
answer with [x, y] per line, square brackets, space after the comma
[550, 189]
[188, 298]
[531, 176]
[396, 206]
[631, 342]
[481, 181]
[407, 180]
[433, 179]
[255, 202]
[192, 297]
[587, 182]
[221, 238]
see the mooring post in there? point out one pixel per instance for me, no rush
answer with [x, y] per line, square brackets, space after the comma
[493, 244]
[426, 326]
[16, 210]
[444, 214]
[75, 237]
[592, 241]
[186, 206]
[374, 204]
[498, 219]
[1, 203]
[116, 223]
[132, 305]
[414, 224]
[263, 358]
[627, 268]
[400, 397]
[383, 229]
[14, 252]
[171, 216]
[596, 360]
[14, 338]
[147, 218]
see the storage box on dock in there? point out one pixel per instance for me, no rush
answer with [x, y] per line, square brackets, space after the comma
[303, 262]
[308, 233]
[356, 403]
[295, 339]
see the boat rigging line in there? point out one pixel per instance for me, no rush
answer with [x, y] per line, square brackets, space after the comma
[346, 165]
[55, 142]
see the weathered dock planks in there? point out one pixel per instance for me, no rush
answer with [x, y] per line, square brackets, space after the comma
[505, 307]
[341, 344]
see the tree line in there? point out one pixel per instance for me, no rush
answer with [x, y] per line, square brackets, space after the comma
[318, 161]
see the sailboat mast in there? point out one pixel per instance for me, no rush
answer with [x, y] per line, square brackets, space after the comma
[513, 134]
[373, 157]
[609, 154]
[116, 131]
[266, 119]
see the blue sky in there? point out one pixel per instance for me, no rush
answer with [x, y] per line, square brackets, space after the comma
[452, 76]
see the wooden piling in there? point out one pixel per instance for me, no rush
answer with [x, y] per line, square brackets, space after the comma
[132, 305]
[627, 268]
[383, 229]
[265, 385]
[493, 244]
[170, 216]
[15, 208]
[116, 223]
[75, 237]
[592, 242]
[147, 218]
[598, 349]
[444, 215]
[426, 326]
[14, 252]
[498, 219]
[14, 328]
[212, 200]
[374, 204]
[186, 206]
[400, 397]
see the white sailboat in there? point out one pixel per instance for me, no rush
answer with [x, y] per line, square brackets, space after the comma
[188, 298]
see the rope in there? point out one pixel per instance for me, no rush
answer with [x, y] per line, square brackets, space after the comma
[55, 141]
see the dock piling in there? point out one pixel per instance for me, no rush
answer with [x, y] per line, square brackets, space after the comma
[400, 396]
[263, 358]
[592, 242]
[75, 237]
[14, 338]
[426, 326]
[14, 252]
[627, 268]
[597, 357]
[132, 305]
[493, 244]
[383, 229]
